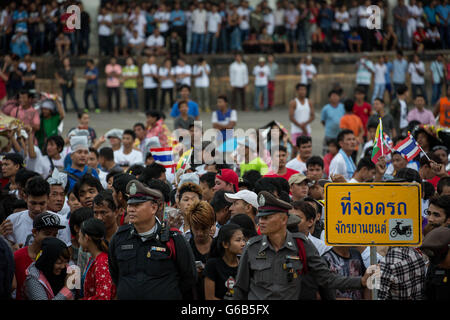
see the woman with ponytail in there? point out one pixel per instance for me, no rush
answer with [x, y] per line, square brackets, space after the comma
[96, 280]
[222, 264]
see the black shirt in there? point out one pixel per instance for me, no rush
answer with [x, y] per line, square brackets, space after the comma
[223, 275]
[200, 285]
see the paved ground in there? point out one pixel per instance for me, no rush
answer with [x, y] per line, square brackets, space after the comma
[105, 121]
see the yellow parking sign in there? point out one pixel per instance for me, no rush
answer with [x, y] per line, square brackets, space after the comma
[372, 214]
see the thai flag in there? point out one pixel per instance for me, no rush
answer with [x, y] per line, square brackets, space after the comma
[163, 156]
[408, 147]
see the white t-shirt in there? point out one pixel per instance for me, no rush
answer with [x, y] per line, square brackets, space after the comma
[104, 30]
[269, 20]
[416, 78]
[166, 83]
[403, 114]
[261, 75]
[279, 17]
[232, 117]
[139, 23]
[165, 16]
[153, 41]
[23, 226]
[244, 13]
[149, 83]
[199, 21]
[127, 160]
[214, 19]
[187, 69]
[307, 72]
[362, 13]
[136, 41]
[340, 16]
[203, 80]
[41, 164]
[380, 71]
[296, 164]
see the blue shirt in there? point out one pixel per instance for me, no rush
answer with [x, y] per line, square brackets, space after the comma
[431, 14]
[20, 15]
[150, 23]
[177, 14]
[331, 116]
[399, 69]
[92, 72]
[387, 75]
[443, 12]
[79, 174]
[326, 17]
[193, 109]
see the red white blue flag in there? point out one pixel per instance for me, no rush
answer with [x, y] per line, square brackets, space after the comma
[163, 156]
[408, 147]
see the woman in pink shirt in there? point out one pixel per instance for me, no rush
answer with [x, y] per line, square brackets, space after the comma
[113, 71]
[156, 127]
[24, 111]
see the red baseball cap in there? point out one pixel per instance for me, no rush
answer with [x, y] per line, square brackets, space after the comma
[229, 176]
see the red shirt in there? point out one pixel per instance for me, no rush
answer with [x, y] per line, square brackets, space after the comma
[326, 163]
[286, 176]
[22, 261]
[363, 112]
[98, 284]
[64, 18]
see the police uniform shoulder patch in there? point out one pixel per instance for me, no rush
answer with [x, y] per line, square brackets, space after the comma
[123, 228]
[299, 235]
[261, 200]
[254, 240]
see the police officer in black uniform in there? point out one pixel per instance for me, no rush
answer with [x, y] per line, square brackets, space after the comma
[273, 264]
[436, 246]
[147, 260]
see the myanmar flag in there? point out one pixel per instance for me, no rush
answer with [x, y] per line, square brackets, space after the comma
[184, 159]
[378, 142]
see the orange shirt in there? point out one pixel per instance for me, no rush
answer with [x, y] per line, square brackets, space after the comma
[352, 122]
[444, 110]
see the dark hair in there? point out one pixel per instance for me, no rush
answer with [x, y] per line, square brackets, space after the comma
[246, 223]
[120, 182]
[23, 175]
[306, 208]
[129, 132]
[184, 85]
[365, 163]
[87, 179]
[333, 141]
[93, 150]
[342, 135]
[428, 190]
[78, 216]
[265, 184]
[37, 187]
[152, 171]
[299, 85]
[105, 196]
[360, 89]
[161, 186]
[154, 114]
[372, 124]
[189, 187]
[402, 89]
[442, 202]
[209, 179]
[16, 158]
[225, 234]
[112, 174]
[107, 153]
[58, 140]
[302, 140]
[379, 99]
[250, 177]
[443, 182]
[281, 148]
[333, 92]
[218, 202]
[19, 204]
[315, 160]
[139, 124]
[95, 229]
[409, 175]
[419, 95]
[135, 169]
[183, 102]
[348, 105]
[223, 97]
[80, 114]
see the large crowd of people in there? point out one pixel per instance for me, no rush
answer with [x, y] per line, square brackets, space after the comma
[152, 212]
[197, 27]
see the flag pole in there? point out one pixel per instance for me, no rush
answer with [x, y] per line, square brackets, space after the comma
[409, 134]
[381, 137]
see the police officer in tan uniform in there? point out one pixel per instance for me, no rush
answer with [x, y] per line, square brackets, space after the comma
[273, 263]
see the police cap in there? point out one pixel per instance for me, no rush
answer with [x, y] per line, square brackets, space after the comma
[268, 204]
[436, 239]
[138, 192]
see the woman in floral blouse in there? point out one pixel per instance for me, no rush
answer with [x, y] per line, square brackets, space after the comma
[96, 280]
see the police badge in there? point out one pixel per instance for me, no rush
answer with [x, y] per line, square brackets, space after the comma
[261, 200]
[133, 189]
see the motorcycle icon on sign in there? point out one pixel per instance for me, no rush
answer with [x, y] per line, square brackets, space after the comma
[398, 230]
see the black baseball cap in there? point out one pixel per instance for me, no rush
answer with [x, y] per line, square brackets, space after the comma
[47, 220]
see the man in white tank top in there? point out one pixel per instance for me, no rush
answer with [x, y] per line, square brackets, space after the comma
[301, 113]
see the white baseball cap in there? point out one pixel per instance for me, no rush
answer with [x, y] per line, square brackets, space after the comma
[246, 195]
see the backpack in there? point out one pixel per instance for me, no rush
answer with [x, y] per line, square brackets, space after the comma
[302, 255]
[76, 178]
